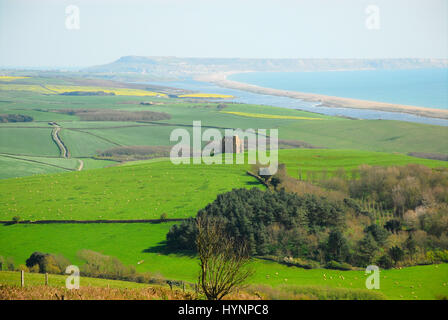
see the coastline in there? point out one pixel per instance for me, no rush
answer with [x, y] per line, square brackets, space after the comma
[221, 80]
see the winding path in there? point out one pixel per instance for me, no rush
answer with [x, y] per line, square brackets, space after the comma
[81, 165]
[58, 141]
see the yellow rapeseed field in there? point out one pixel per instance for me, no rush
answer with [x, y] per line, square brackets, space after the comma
[116, 91]
[57, 89]
[269, 116]
[11, 78]
[25, 87]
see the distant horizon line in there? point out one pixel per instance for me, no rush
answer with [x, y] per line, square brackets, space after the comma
[72, 68]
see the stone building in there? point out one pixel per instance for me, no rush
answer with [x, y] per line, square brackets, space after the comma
[232, 145]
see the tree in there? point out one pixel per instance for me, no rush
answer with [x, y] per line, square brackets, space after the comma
[393, 225]
[275, 181]
[396, 253]
[367, 248]
[385, 262]
[16, 219]
[337, 248]
[411, 245]
[378, 233]
[45, 261]
[222, 260]
[163, 216]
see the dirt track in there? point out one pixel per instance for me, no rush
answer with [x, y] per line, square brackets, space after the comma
[58, 141]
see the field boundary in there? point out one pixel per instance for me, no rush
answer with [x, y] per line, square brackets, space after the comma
[9, 222]
[35, 161]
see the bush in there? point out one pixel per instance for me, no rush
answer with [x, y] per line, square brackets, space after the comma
[16, 219]
[385, 262]
[102, 266]
[301, 263]
[44, 261]
[10, 264]
[15, 118]
[338, 265]
[163, 216]
[23, 267]
[437, 256]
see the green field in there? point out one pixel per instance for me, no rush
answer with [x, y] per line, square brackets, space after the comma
[329, 161]
[27, 141]
[141, 191]
[37, 184]
[147, 189]
[135, 242]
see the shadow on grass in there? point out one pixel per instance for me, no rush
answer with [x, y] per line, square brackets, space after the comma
[253, 183]
[162, 248]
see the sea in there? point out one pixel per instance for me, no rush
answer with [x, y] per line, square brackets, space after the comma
[418, 87]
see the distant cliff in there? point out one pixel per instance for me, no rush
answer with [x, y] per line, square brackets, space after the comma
[179, 67]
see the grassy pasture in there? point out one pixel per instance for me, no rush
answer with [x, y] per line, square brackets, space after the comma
[12, 168]
[371, 135]
[27, 141]
[329, 161]
[81, 144]
[135, 242]
[146, 189]
[142, 191]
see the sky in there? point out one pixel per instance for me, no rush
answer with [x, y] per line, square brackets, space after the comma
[50, 33]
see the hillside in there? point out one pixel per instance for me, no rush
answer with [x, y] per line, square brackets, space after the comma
[176, 66]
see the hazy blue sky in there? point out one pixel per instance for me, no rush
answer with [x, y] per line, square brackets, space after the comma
[34, 33]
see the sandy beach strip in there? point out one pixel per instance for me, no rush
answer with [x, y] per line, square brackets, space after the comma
[220, 79]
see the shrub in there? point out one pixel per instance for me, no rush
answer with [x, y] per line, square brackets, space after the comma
[437, 255]
[45, 261]
[15, 118]
[301, 263]
[10, 264]
[385, 262]
[338, 265]
[23, 267]
[102, 266]
[16, 219]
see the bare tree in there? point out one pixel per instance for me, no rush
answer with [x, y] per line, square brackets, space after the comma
[223, 261]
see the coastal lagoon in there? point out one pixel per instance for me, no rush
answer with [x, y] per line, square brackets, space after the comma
[290, 103]
[416, 87]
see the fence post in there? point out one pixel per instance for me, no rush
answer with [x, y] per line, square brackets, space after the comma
[46, 278]
[22, 278]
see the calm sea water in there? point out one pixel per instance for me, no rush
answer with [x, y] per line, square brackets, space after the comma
[419, 87]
